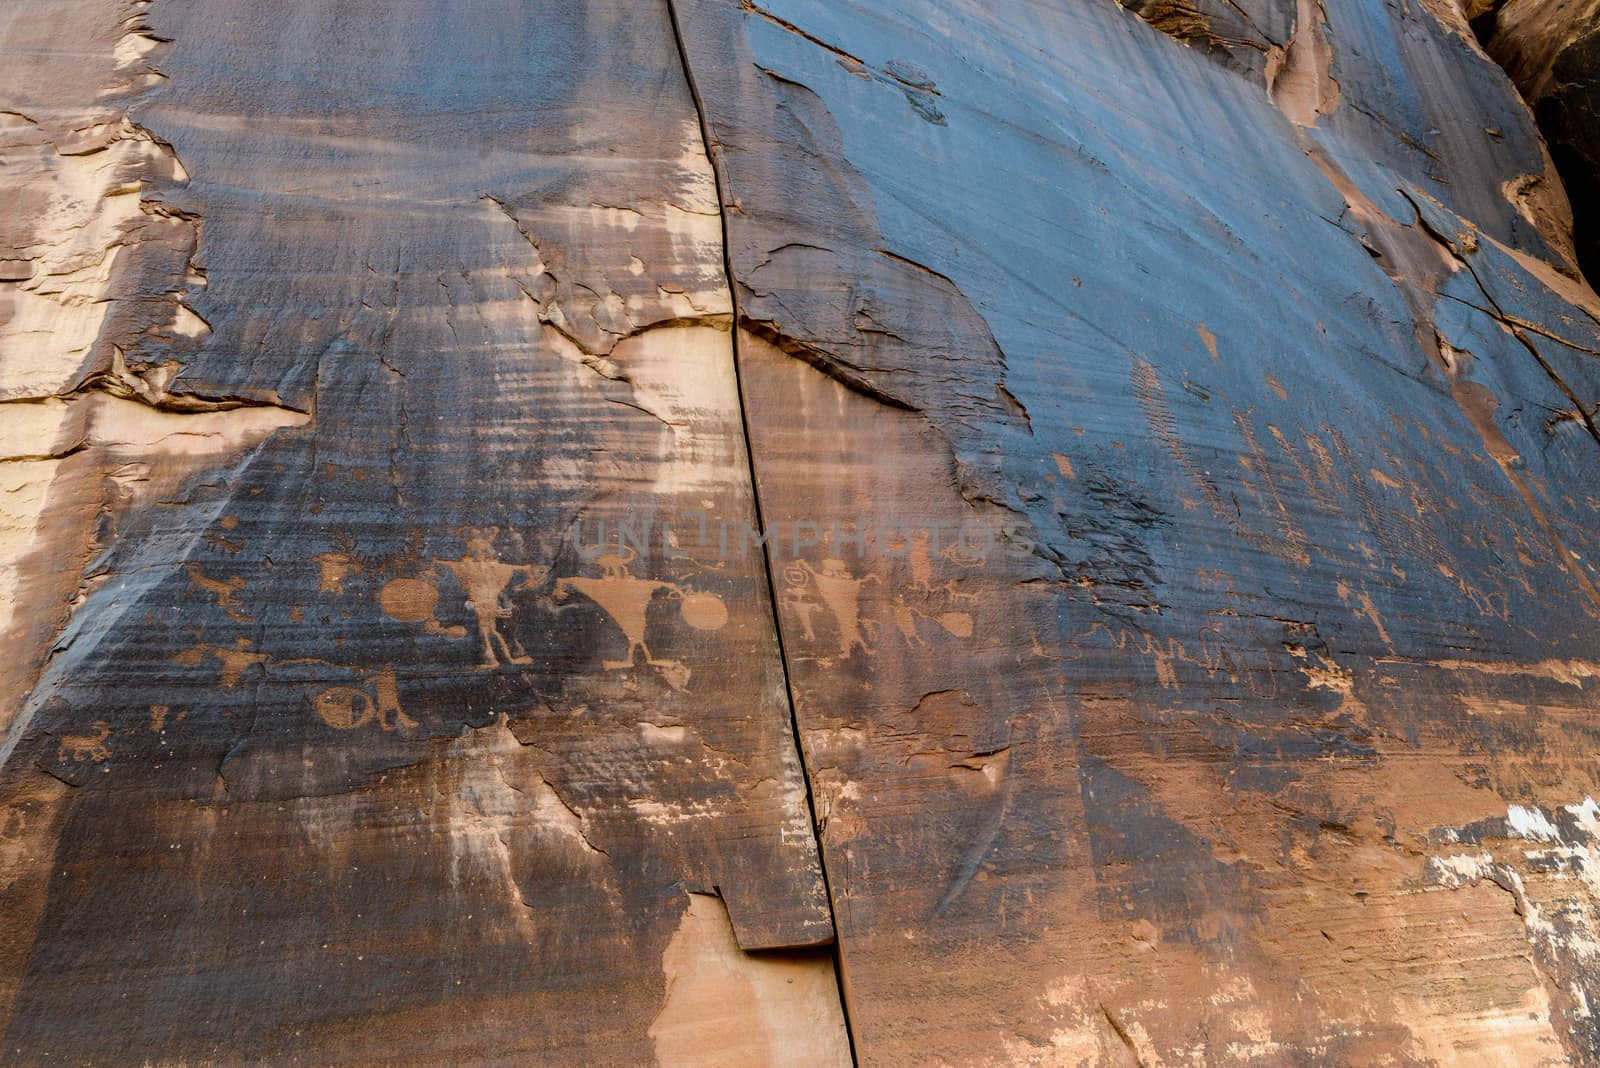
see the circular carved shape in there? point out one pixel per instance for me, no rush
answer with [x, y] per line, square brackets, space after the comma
[409, 600]
[344, 708]
[704, 611]
[957, 623]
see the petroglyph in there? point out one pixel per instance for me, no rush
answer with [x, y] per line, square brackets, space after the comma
[626, 599]
[795, 599]
[335, 568]
[1363, 600]
[1293, 538]
[1319, 494]
[486, 580]
[1152, 399]
[223, 590]
[376, 697]
[1216, 656]
[414, 600]
[906, 618]
[80, 747]
[235, 662]
[957, 623]
[837, 590]
[346, 708]
[921, 559]
[409, 600]
[704, 611]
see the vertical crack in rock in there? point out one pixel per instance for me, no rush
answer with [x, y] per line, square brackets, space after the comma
[506, 363]
[1168, 801]
[755, 491]
[1416, 257]
[1516, 327]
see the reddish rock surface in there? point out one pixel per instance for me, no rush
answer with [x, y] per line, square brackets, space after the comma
[791, 533]
[1551, 49]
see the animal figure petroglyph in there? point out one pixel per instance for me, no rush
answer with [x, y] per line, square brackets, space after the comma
[79, 747]
[334, 568]
[223, 590]
[235, 662]
[906, 616]
[1215, 656]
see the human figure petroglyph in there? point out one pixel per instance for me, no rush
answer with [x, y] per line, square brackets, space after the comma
[80, 747]
[223, 590]
[796, 601]
[485, 579]
[840, 591]
[626, 599]
[905, 617]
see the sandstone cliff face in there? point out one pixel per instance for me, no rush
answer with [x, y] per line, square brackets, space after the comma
[1552, 52]
[715, 532]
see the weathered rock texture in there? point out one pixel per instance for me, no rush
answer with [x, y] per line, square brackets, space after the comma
[1173, 639]
[1551, 49]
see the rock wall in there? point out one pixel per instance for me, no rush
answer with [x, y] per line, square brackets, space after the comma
[1552, 52]
[796, 533]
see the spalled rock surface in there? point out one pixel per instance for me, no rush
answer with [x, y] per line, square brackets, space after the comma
[727, 533]
[352, 728]
[1249, 634]
[1551, 49]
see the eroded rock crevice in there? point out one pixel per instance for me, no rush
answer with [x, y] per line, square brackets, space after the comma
[1551, 51]
[837, 948]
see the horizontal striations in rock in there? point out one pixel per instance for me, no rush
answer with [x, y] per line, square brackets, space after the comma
[782, 532]
[1267, 438]
[369, 740]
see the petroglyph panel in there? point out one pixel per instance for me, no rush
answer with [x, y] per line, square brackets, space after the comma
[317, 421]
[528, 532]
[1267, 406]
